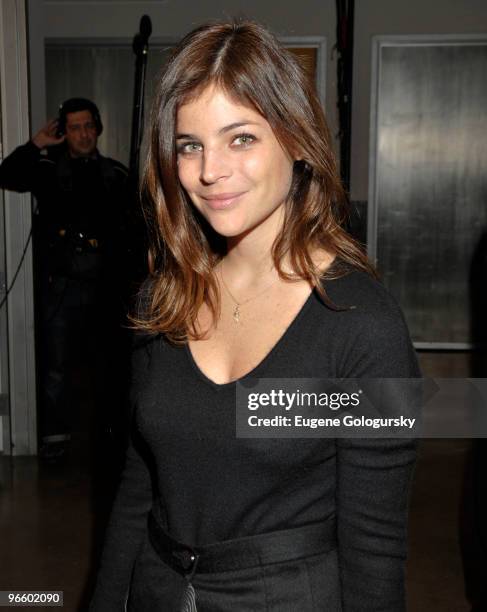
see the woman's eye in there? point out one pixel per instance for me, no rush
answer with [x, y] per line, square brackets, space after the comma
[243, 140]
[189, 147]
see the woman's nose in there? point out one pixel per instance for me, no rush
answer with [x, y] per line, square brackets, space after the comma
[214, 166]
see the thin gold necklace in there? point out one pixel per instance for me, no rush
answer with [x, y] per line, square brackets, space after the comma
[236, 310]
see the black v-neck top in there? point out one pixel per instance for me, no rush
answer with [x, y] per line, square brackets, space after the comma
[210, 486]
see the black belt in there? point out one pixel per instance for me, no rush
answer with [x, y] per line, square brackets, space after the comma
[240, 553]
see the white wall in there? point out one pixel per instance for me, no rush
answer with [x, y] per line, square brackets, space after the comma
[173, 17]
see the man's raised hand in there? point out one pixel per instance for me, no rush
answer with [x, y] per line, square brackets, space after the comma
[46, 136]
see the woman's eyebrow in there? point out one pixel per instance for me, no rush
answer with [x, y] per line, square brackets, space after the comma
[235, 125]
[223, 130]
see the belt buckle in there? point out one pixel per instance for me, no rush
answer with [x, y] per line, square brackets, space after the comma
[187, 560]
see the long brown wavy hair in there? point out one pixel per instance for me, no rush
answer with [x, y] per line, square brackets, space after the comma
[246, 61]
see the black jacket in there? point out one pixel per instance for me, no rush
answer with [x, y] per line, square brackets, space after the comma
[87, 196]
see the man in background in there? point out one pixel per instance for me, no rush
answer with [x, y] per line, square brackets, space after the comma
[79, 229]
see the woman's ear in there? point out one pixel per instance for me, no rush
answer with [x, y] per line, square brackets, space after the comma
[300, 162]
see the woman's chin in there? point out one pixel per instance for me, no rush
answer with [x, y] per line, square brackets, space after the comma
[230, 230]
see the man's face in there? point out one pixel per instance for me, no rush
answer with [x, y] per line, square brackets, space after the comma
[81, 134]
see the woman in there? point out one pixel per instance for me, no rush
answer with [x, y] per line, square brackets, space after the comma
[251, 275]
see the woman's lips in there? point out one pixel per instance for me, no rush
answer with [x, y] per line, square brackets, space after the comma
[221, 201]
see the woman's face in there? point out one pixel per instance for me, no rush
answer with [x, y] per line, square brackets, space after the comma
[231, 164]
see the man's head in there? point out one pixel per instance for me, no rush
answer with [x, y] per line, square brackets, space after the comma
[80, 121]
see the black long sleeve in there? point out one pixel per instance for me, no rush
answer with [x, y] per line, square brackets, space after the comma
[19, 171]
[129, 513]
[373, 481]
[124, 535]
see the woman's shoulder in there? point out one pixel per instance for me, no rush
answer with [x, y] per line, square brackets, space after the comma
[358, 292]
[369, 325]
[143, 341]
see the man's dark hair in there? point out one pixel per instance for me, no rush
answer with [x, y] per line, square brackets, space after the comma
[75, 105]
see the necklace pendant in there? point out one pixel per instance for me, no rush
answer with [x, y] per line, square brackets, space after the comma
[236, 314]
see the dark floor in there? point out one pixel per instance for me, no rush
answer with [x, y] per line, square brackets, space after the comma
[51, 520]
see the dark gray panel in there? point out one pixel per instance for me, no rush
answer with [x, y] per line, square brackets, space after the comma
[431, 181]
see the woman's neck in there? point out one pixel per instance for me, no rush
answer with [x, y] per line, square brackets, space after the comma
[248, 263]
[249, 257]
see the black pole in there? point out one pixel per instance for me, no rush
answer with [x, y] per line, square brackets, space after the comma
[137, 246]
[345, 23]
[140, 47]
